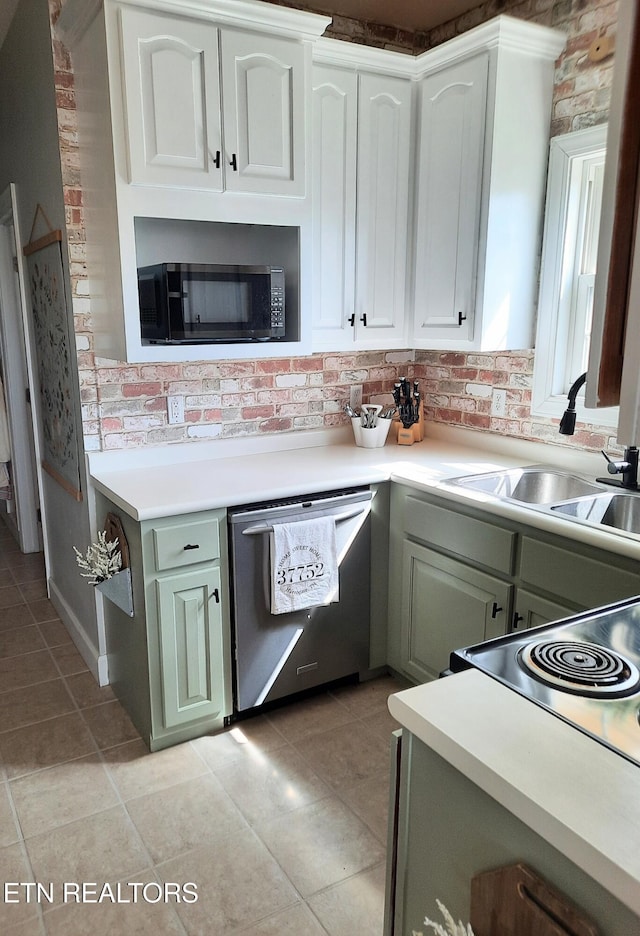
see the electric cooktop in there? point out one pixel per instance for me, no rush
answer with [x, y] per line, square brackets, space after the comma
[584, 669]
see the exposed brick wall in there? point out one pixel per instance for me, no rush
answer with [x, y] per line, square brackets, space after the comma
[232, 398]
[125, 405]
[458, 388]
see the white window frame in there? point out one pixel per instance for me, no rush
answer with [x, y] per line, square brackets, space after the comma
[571, 158]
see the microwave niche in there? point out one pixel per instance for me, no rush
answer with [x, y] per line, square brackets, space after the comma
[191, 303]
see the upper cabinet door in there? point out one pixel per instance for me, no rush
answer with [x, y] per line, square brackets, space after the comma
[485, 107]
[335, 102]
[450, 164]
[384, 147]
[172, 96]
[264, 117]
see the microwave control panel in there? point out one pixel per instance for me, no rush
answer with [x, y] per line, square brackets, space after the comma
[277, 301]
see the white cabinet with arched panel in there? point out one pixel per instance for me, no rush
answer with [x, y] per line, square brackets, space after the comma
[361, 184]
[177, 105]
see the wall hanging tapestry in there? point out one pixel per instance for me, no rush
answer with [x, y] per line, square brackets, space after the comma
[53, 347]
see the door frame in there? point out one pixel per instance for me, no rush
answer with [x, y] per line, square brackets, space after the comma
[20, 386]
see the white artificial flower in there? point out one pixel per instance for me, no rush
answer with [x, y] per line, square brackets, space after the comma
[452, 929]
[102, 561]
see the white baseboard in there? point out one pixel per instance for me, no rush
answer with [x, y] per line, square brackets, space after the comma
[97, 662]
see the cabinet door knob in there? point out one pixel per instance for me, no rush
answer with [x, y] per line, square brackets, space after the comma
[352, 319]
[234, 162]
[215, 594]
[216, 159]
[192, 546]
[516, 619]
[495, 610]
[363, 319]
[461, 318]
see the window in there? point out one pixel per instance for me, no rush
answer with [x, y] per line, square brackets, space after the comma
[569, 252]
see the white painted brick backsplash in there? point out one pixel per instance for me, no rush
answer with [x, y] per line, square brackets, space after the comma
[291, 380]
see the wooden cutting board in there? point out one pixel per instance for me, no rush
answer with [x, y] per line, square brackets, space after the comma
[515, 901]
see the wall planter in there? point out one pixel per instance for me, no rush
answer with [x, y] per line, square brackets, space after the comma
[118, 590]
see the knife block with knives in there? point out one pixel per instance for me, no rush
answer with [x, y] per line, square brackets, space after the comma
[410, 410]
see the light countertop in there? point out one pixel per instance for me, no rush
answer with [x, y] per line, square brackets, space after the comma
[586, 803]
[170, 480]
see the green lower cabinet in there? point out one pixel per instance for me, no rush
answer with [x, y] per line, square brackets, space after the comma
[459, 575]
[170, 665]
[449, 829]
[191, 646]
[446, 605]
[532, 611]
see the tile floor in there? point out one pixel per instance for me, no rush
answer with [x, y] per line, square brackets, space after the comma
[280, 821]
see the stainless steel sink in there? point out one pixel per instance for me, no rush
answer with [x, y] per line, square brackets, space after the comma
[558, 492]
[620, 511]
[530, 485]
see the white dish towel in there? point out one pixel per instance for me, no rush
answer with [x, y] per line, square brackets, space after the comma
[304, 564]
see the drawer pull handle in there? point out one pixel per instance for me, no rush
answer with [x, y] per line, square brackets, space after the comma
[516, 619]
[192, 546]
[495, 610]
[215, 594]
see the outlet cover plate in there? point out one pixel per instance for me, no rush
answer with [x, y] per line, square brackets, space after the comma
[498, 402]
[175, 409]
[355, 397]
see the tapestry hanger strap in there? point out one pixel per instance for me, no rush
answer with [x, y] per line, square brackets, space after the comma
[50, 237]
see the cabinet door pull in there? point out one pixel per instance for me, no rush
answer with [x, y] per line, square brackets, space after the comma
[216, 159]
[461, 318]
[192, 546]
[363, 319]
[234, 162]
[215, 594]
[352, 320]
[516, 619]
[495, 610]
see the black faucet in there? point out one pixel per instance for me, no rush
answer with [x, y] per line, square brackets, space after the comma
[568, 421]
[628, 468]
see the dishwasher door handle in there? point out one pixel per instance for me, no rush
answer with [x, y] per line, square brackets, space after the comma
[268, 528]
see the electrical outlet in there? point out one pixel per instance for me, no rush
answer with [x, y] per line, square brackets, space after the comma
[498, 402]
[175, 409]
[355, 397]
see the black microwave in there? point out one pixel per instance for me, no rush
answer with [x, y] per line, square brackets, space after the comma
[190, 303]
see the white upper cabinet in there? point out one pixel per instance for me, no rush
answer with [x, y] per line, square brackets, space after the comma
[361, 150]
[484, 114]
[192, 111]
[176, 106]
[449, 184]
[333, 193]
[172, 94]
[264, 113]
[384, 148]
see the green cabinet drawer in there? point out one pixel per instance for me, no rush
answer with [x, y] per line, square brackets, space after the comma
[465, 537]
[584, 581]
[185, 544]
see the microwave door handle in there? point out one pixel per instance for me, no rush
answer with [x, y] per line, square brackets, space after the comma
[267, 528]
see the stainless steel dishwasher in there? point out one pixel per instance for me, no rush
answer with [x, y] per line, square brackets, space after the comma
[276, 655]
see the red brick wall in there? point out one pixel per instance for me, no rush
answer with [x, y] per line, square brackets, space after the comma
[124, 405]
[458, 389]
